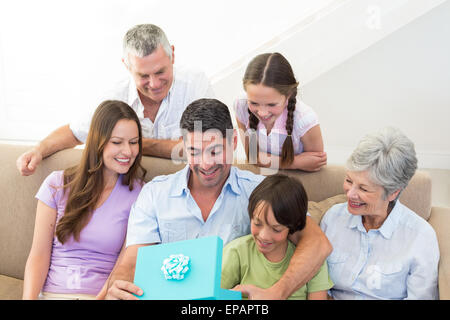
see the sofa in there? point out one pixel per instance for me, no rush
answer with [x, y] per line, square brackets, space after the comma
[324, 188]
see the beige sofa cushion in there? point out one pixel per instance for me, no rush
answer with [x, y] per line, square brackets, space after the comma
[318, 209]
[440, 221]
[10, 288]
[417, 195]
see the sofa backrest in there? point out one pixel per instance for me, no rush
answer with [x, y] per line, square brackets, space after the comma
[18, 205]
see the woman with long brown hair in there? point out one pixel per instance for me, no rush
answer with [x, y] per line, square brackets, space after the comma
[287, 131]
[82, 212]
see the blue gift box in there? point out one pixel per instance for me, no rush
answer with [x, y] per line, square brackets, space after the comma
[201, 282]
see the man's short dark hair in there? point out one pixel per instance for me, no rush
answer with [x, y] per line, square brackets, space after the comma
[209, 113]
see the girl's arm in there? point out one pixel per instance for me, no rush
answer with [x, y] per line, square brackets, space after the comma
[38, 261]
[307, 161]
[312, 140]
[313, 157]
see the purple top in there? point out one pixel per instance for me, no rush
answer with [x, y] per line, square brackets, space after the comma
[83, 267]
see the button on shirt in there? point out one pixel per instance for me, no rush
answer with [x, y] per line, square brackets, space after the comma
[188, 85]
[397, 261]
[165, 210]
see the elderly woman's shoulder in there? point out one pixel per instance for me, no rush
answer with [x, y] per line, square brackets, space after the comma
[411, 220]
[337, 211]
[339, 208]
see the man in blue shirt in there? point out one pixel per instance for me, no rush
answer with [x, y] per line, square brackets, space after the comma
[208, 197]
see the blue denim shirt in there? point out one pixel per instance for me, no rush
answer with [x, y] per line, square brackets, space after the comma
[165, 210]
[397, 261]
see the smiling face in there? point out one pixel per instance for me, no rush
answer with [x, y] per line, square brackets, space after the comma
[122, 148]
[153, 74]
[364, 197]
[269, 235]
[266, 103]
[210, 156]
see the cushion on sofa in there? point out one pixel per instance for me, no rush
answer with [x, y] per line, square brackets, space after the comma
[440, 221]
[10, 288]
[318, 209]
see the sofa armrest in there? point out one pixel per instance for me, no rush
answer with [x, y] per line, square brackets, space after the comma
[440, 221]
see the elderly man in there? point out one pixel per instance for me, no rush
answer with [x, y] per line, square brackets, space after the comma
[208, 197]
[157, 91]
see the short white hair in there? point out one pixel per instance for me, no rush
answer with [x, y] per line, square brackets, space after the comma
[144, 39]
[389, 157]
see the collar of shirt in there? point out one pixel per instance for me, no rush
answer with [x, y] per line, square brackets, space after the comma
[135, 102]
[180, 185]
[388, 226]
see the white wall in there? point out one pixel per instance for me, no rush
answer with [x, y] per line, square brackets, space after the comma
[403, 81]
[57, 56]
[361, 72]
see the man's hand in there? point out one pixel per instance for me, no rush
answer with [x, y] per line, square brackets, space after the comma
[123, 290]
[256, 293]
[28, 162]
[60, 139]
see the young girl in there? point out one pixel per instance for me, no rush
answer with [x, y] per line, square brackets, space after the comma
[82, 212]
[277, 208]
[288, 134]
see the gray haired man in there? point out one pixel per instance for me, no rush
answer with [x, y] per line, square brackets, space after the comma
[156, 90]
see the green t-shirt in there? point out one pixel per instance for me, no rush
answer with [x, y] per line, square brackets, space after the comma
[244, 264]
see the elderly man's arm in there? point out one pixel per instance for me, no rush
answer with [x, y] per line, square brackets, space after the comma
[60, 139]
[163, 148]
[312, 249]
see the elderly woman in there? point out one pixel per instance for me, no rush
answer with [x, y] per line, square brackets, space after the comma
[381, 249]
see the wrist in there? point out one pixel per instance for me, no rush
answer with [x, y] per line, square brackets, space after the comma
[280, 290]
[40, 150]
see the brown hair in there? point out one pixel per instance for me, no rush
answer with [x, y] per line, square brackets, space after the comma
[85, 182]
[274, 71]
[286, 196]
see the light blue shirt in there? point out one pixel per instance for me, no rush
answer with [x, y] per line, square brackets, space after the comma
[397, 261]
[165, 210]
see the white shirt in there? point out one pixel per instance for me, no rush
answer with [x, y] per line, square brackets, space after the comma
[397, 261]
[304, 119]
[188, 85]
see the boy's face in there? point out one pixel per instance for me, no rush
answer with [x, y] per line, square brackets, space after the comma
[210, 157]
[269, 235]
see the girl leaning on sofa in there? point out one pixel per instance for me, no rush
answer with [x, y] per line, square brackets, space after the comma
[89, 204]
